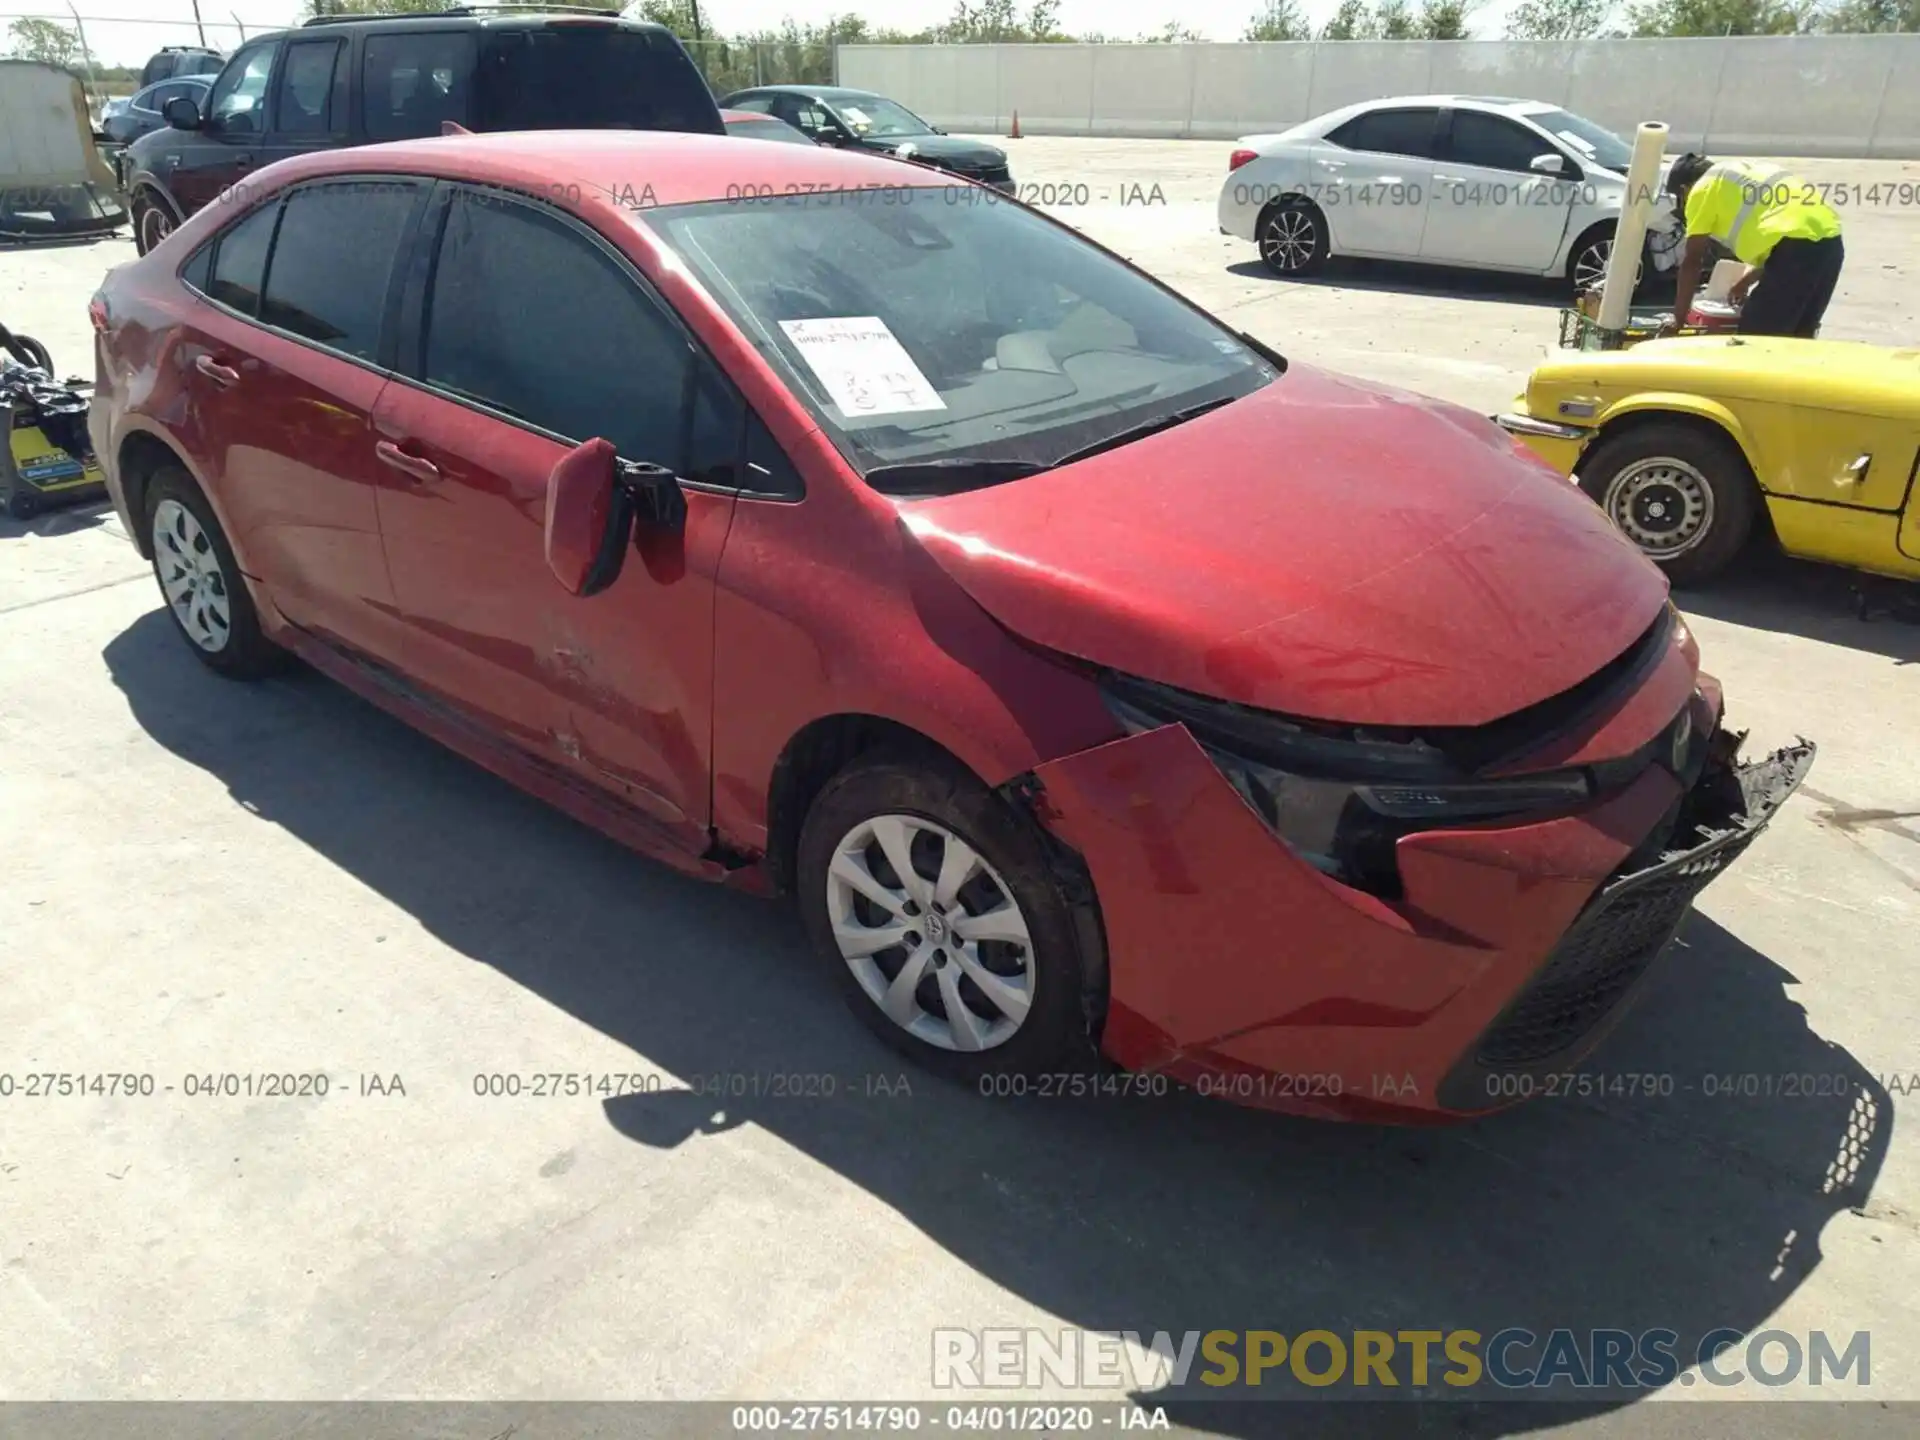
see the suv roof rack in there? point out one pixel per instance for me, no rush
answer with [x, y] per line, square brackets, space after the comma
[526, 7]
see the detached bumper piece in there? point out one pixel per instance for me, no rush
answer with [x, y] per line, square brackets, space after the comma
[1598, 964]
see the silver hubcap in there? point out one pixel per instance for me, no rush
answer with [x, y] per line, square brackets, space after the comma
[1289, 239]
[1663, 505]
[931, 932]
[190, 576]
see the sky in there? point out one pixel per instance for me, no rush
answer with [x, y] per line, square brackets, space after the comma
[125, 32]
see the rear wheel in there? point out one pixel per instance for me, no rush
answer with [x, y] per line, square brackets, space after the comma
[1293, 238]
[201, 582]
[933, 904]
[1682, 493]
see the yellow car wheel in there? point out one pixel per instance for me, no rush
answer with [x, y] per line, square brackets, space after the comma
[1682, 492]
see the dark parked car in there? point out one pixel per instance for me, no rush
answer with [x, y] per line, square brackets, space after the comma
[859, 119]
[748, 125]
[171, 62]
[144, 112]
[340, 81]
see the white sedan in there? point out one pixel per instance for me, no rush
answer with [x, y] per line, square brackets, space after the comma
[1514, 185]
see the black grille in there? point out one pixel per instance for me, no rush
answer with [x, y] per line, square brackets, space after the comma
[1598, 960]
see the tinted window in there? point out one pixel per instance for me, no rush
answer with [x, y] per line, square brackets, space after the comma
[768, 471]
[157, 96]
[412, 83]
[307, 88]
[1492, 143]
[759, 104]
[927, 331]
[197, 273]
[241, 259]
[600, 359]
[1389, 132]
[328, 281]
[240, 92]
[767, 129]
[594, 77]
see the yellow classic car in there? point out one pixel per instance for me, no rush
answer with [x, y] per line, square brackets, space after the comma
[1687, 443]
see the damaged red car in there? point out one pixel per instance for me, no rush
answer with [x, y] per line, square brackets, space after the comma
[1099, 683]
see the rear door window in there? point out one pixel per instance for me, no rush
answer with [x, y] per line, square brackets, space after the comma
[410, 84]
[332, 263]
[310, 80]
[595, 77]
[1390, 132]
[240, 261]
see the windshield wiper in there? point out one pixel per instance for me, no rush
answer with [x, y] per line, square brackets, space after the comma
[1144, 429]
[948, 475]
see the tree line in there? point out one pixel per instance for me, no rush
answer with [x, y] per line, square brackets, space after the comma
[797, 52]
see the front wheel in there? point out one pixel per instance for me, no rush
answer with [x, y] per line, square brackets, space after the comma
[1588, 260]
[933, 904]
[152, 223]
[1683, 494]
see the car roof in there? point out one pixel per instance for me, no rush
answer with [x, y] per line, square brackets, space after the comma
[458, 16]
[813, 92]
[615, 167]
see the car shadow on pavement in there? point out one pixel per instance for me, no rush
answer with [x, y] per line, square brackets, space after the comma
[1768, 591]
[1694, 1200]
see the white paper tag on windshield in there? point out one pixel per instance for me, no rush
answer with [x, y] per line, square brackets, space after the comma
[866, 370]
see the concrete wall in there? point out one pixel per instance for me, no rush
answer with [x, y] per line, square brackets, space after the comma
[1853, 96]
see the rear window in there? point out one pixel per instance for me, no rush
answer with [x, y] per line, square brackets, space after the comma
[411, 83]
[1390, 132]
[592, 77]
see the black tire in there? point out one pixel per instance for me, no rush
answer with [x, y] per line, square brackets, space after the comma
[1717, 465]
[1053, 1036]
[152, 222]
[21, 506]
[1292, 237]
[243, 652]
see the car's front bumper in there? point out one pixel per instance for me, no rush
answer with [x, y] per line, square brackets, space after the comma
[1237, 968]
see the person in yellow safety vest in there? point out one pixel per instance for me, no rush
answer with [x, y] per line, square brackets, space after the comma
[1771, 220]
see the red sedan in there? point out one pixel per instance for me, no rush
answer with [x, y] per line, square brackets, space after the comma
[1100, 683]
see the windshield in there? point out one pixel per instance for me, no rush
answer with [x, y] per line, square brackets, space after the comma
[917, 329]
[1592, 141]
[591, 78]
[872, 118]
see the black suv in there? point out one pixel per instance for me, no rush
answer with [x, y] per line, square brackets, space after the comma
[354, 81]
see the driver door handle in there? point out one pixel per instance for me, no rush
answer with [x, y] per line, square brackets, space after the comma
[418, 467]
[221, 375]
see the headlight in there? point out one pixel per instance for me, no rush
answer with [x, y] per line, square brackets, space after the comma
[1340, 797]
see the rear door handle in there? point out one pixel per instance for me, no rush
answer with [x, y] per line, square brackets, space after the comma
[221, 375]
[414, 465]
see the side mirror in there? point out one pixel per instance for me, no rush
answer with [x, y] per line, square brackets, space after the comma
[594, 499]
[182, 114]
[1549, 164]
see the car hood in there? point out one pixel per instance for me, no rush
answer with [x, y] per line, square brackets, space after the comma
[1324, 548]
[1842, 375]
[944, 150]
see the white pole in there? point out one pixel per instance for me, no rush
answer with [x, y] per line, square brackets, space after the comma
[1630, 236]
[93, 80]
